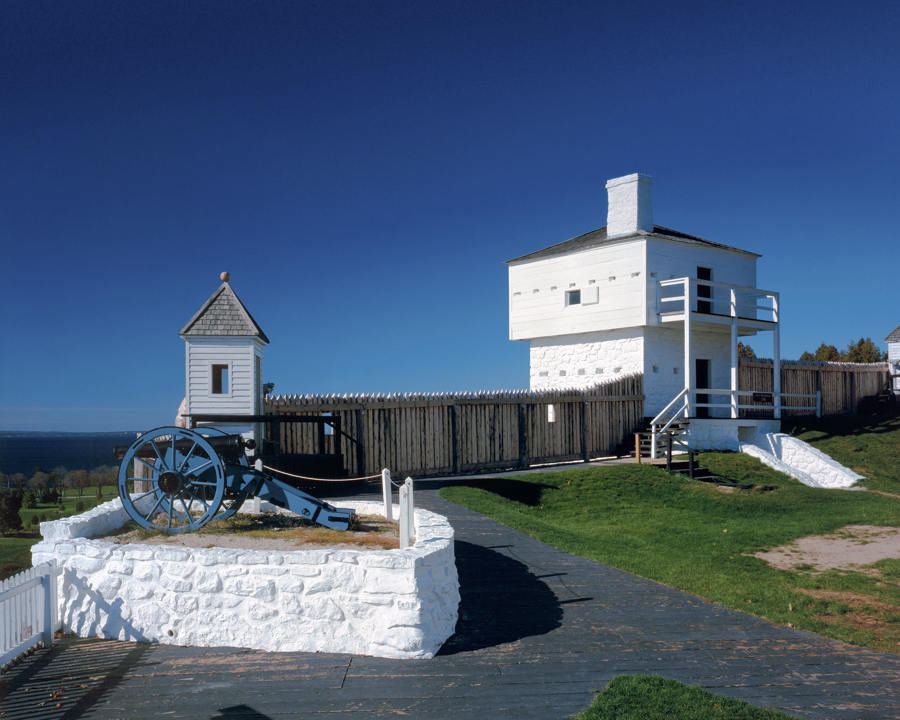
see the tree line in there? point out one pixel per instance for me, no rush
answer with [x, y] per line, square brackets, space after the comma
[18, 491]
[863, 351]
[43, 483]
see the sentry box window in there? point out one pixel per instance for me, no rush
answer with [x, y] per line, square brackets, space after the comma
[220, 380]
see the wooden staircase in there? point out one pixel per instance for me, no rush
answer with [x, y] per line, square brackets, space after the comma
[644, 439]
[682, 463]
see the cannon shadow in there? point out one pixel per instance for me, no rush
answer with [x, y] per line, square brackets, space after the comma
[501, 601]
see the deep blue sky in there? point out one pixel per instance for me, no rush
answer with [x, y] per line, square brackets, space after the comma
[363, 169]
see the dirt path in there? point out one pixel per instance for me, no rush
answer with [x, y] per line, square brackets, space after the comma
[849, 548]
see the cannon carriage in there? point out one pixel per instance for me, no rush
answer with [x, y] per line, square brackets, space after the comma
[204, 475]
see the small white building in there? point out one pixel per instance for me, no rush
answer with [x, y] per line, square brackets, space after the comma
[893, 343]
[224, 362]
[635, 297]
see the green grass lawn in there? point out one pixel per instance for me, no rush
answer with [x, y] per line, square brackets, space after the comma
[15, 549]
[642, 697]
[693, 537]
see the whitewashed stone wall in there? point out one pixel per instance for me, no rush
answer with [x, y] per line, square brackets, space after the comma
[579, 361]
[800, 460]
[726, 435]
[664, 366]
[583, 360]
[392, 603]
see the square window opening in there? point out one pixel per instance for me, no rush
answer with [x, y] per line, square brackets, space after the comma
[219, 379]
[573, 297]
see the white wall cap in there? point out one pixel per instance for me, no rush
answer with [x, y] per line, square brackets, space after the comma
[634, 177]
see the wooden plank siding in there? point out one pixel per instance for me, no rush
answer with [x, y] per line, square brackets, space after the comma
[843, 385]
[466, 432]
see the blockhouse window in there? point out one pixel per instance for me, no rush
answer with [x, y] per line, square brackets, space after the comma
[219, 379]
[573, 297]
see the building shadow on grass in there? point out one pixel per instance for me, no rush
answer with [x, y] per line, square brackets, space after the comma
[501, 601]
[520, 491]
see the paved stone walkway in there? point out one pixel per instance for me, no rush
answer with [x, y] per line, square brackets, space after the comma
[539, 630]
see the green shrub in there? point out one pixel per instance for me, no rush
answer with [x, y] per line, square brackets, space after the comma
[34, 520]
[79, 506]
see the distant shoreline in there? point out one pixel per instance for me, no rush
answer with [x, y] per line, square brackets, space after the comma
[17, 433]
[23, 450]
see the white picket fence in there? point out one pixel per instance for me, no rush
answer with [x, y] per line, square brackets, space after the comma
[29, 611]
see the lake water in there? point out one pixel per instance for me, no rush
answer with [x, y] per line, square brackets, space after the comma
[20, 452]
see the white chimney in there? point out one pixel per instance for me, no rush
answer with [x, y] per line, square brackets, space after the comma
[629, 205]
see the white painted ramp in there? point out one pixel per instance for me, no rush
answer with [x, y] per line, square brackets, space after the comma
[800, 460]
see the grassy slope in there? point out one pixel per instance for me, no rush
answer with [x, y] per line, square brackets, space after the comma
[642, 698]
[691, 536]
[869, 446]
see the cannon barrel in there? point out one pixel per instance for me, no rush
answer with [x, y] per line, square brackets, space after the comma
[228, 446]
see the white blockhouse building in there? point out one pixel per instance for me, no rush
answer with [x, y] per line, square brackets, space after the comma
[893, 343]
[635, 297]
[224, 362]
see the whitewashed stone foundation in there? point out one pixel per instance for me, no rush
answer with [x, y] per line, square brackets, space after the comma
[583, 360]
[391, 603]
[726, 435]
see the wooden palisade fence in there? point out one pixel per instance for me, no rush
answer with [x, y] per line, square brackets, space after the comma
[843, 385]
[442, 434]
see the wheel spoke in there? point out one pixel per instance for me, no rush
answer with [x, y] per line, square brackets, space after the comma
[156, 450]
[141, 497]
[171, 508]
[203, 467]
[153, 510]
[197, 498]
[187, 457]
[187, 511]
[204, 483]
[152, 467]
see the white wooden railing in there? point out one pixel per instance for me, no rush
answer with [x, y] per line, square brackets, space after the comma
[741, 302]
[657, 427]
[29, 611]
[688, 403]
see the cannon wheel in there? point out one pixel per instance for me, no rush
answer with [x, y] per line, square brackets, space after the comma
[185, 478]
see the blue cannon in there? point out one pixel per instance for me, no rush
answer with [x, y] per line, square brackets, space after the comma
[202, 476]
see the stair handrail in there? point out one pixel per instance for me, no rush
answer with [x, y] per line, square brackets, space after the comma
[654, 433]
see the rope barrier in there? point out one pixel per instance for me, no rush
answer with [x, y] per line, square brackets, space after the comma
[303, 477]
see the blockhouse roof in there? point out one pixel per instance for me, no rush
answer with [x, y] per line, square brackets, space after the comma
[223, 315]
[894, 336]
[598, 237]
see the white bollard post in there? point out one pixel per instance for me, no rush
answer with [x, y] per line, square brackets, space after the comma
[387, 494]
[410, 510]
[404, 516]
[257, 506]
